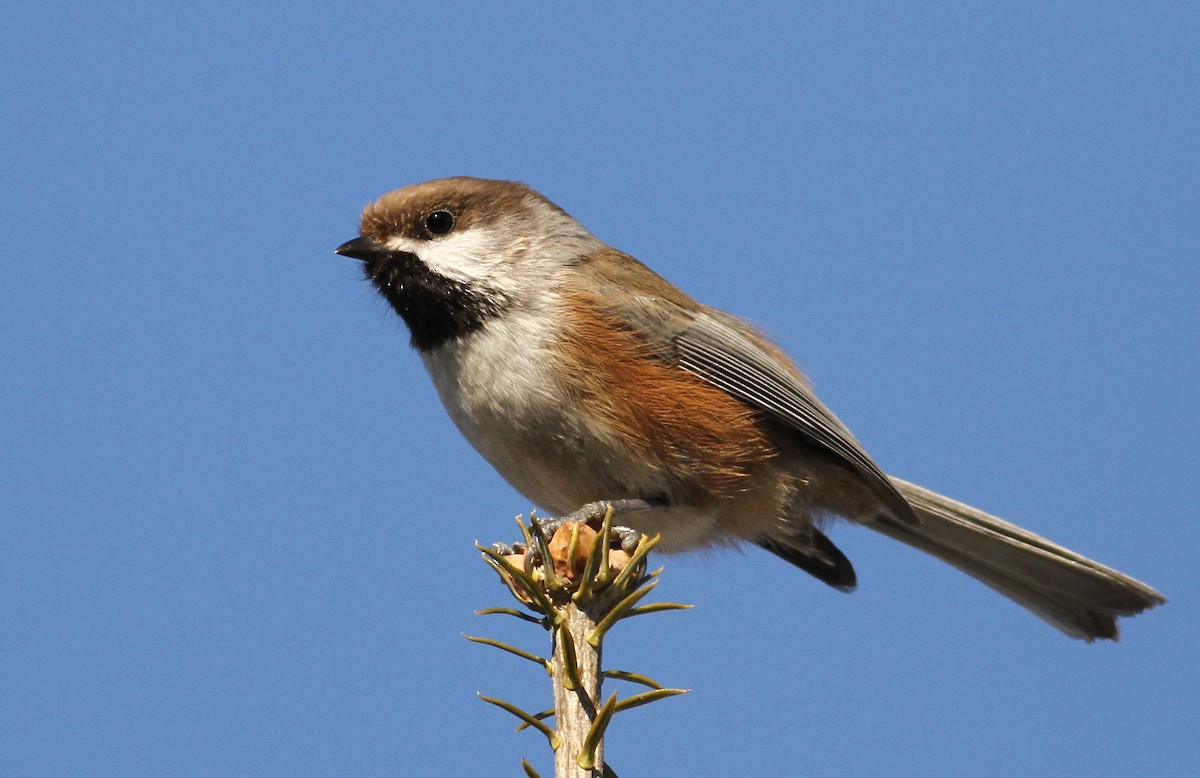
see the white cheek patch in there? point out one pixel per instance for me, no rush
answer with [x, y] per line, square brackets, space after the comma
[469, 256]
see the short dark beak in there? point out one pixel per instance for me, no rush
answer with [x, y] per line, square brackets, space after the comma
[363, 248]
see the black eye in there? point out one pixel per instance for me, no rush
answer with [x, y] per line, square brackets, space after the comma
[439, 222]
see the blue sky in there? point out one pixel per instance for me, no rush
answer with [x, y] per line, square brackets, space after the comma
[237, 526]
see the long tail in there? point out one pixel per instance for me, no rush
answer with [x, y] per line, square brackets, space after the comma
[1071, 592]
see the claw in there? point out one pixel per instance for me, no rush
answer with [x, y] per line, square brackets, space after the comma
[592, 514]
[531, 558]
[627, 538]
[505, 549]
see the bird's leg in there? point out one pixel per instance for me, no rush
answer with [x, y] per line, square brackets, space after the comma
[592, 514]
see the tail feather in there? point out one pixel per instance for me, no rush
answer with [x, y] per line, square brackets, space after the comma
[815, 554]
[1077, 595]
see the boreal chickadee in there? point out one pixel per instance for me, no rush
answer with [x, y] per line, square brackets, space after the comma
[581, 376]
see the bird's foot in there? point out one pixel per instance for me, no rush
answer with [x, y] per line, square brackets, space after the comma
[592, 514]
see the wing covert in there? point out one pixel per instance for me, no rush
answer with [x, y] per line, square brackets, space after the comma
[724, 356]
[728, 354]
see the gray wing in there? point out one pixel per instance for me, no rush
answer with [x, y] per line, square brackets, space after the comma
[720, 353]
[727, 353]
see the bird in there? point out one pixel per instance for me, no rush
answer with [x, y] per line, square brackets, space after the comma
[583, 377]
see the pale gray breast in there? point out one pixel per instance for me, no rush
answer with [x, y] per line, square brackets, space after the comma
[496, 385]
